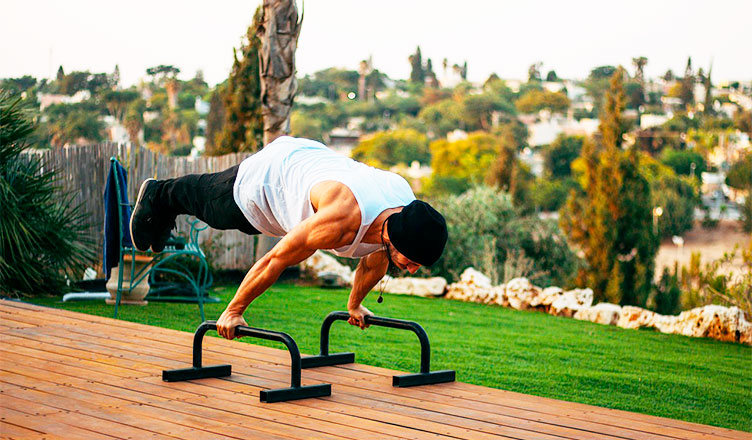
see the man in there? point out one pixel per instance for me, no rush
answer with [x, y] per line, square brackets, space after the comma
[313, 198]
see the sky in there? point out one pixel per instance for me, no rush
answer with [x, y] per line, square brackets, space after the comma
[492, 36]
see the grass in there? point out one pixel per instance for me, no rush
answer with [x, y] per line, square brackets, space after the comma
[692, 379]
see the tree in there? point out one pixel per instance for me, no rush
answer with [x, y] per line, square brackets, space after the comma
[134, 120]
[681, 161]
[551, 76]
[417, 71]
[117, 101]
[389, 148]
[687, 85]
[639, 64]
[43, 232]
[215, 122]
[243, 126]
[278, 33]
[739, 175]
[478, 110]
[558, 157]
[60, 74]
[431, 79]
[534, 101]
[597, 83]
[533, 72]
[466, 159]
[611, 222]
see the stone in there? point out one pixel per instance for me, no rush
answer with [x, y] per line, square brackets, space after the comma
[635, 317]
[473, 277]
[321, 264]
[570, 302]
[426, 287]
[521, 294]
[602, 313]
[712, 321]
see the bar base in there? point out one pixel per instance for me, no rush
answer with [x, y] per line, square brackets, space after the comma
[295, 393]
[327, 360]
[411, 380]
[196, 373]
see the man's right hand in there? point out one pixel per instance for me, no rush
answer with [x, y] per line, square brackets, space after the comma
[227, 322]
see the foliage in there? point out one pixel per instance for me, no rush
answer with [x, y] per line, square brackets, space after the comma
[243, 127]
[597, 83]
[717, 282]
[388, 148]
[667, 297]
[536, 100]
[743, 121]
[43, 234]
[466, 159]
[681, 161]
[558, 156]
[417, 70]
[302, 125]
[678, 197]
[72, 123]
[611, 221]
[332, 83]
[485, 231]
[739, 174]
[478, 110]
[442, 117]
[549, 195]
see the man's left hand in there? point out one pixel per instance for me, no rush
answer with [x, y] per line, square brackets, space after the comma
[358, 317]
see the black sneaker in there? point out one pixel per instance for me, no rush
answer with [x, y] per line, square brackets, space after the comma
[162, 235]
[142, 219]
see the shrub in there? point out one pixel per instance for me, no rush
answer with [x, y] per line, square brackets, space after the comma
[486, 232]
[42, 232]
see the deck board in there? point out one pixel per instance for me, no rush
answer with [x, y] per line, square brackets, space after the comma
[75, 376]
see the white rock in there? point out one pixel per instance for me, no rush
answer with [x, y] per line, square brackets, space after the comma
[602, 313]
[713, 321]
[636, 317]
[321, 263]
[521, 293]
[569, 302]
[413, 286]
[473, 277]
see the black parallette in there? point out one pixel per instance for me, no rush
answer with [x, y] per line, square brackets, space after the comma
[425, 377]
[295, 391]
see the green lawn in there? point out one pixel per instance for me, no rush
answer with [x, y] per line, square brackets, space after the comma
[697, 380]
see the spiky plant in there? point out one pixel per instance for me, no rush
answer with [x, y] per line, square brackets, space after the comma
[43, 233]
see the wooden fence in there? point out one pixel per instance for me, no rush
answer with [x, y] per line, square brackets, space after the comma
[84, 170]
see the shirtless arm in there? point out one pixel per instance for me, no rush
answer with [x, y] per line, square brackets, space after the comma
[331, 227]
[370, 270]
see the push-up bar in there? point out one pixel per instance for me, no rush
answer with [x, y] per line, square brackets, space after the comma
[425, 377]
[295, 391]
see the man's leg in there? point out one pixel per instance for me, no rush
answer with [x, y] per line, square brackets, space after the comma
[209, 197]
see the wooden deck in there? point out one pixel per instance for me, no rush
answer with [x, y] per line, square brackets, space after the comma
[65, 375]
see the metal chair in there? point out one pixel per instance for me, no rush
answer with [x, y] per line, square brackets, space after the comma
[183, 261]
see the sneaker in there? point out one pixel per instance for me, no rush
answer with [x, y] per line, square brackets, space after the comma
[162, 234]
[142, 219]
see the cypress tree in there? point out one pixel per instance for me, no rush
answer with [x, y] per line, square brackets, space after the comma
[417, 72]
[611, 222]
[243, 127]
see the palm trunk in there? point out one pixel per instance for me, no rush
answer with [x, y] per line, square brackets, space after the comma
[279, 40]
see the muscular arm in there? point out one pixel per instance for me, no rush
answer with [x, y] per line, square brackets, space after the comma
[370, 270]
[332, 226]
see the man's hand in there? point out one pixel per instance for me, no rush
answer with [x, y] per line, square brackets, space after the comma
[358, 317]
[227, 322]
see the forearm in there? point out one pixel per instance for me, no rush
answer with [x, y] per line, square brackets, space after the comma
[259, 278]
[370, 271]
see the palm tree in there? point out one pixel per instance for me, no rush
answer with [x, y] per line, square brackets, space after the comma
[279, 33]
[43, 233]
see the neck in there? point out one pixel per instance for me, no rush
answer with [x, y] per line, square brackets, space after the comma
[373, 235]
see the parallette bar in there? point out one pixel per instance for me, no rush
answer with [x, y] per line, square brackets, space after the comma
[425, 377]
[295, 391]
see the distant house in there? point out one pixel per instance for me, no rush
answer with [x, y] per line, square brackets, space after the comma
[343, 140]
[48, 99]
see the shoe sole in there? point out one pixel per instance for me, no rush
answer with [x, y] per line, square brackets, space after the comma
[135, 207]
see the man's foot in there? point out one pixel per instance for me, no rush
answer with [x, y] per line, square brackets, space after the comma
[142, 220]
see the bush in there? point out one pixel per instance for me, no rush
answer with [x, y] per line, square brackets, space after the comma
[486, 232]
[42, 232]
[678, 198]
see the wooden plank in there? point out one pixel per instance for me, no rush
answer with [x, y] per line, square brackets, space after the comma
[54, 424]
[9, 431]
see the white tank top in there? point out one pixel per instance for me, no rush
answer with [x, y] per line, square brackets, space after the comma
[273, 188]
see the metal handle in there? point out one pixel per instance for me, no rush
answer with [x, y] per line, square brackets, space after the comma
[260, 333]
[425, 345]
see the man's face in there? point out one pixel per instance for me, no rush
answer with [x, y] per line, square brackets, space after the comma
[402, 262]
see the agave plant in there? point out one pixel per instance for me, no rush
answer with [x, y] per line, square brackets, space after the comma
[43, 234]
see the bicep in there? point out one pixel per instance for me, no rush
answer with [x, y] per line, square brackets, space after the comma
[320, 231]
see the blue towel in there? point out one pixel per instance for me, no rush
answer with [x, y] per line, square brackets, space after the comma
[111, 225]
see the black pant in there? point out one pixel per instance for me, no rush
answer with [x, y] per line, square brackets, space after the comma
[207, 196]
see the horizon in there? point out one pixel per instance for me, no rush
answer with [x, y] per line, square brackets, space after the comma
[63, 36]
